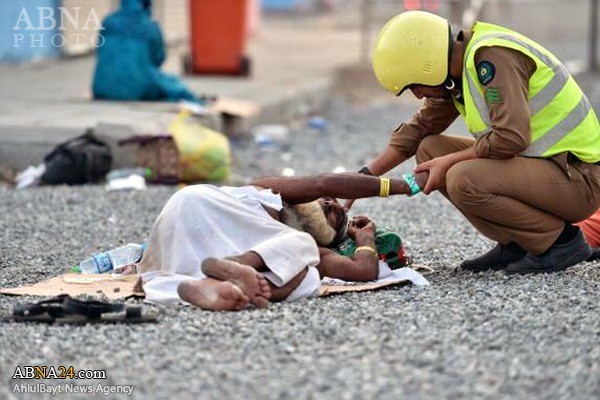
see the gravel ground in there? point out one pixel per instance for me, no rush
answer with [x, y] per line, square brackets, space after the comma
[467, 336]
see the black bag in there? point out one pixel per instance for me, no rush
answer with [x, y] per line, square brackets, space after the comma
[84, 159]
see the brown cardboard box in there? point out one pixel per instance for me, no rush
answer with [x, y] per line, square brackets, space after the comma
[159, 154]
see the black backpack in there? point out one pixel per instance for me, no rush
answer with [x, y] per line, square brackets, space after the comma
[84, 159]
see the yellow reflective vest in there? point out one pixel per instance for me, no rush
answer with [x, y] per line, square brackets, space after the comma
[562, 118]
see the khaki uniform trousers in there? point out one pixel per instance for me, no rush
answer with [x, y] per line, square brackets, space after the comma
[521, 200]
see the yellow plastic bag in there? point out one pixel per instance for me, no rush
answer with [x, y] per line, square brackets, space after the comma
[204, 154]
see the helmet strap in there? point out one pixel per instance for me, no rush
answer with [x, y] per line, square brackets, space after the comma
[455, 89]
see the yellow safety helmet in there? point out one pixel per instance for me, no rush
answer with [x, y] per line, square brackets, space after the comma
[412, 48]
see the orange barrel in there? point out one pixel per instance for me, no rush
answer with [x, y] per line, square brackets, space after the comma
[219, 35]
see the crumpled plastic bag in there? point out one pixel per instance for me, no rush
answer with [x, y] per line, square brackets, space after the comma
[204, 154]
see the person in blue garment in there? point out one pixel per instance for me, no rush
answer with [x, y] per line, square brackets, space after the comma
[129, 60]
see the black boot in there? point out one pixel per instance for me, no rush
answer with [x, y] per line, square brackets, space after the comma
[595, 254]
[497, 258]
[556, 258]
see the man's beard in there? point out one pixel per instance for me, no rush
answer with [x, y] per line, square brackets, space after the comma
[309, 218]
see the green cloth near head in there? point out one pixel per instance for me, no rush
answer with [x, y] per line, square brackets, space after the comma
[388, 244]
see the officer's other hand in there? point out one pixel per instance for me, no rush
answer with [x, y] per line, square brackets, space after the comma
[437, 168]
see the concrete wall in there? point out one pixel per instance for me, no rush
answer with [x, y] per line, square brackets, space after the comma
[562, 26]
[173, 16]
[21, 17]
[76, 39]
[81, 39]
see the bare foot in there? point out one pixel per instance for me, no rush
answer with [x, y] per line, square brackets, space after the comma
[253, 283]
[212, 294]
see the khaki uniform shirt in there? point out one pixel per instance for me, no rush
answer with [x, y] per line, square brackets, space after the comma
[510, 114]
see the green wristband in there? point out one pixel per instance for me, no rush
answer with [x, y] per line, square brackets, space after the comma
[412, 184]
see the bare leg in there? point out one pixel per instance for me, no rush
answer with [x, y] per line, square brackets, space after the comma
[281, 293]
[252, 283]
[212, 294]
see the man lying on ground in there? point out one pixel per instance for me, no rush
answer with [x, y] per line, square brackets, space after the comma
[221, 248]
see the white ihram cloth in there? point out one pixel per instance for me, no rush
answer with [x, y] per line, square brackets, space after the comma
[203, 221]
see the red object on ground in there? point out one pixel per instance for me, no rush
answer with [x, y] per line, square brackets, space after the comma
[591, 229]
[218, 37]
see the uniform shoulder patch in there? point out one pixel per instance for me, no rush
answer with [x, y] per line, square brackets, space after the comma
[493, 96]
[485, 72]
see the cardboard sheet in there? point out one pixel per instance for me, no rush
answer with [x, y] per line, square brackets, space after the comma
[398, 277]
[114, 287]
[329, 290]
[117, 287]
[235, 107]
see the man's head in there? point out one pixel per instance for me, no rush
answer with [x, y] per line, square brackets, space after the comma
[324, 219]
[413, 51]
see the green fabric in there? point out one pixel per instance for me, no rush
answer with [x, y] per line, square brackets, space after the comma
[389, 248]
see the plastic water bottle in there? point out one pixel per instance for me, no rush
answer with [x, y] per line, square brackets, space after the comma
[110, 260]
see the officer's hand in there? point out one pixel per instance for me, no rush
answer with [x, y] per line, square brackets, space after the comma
[438, 168]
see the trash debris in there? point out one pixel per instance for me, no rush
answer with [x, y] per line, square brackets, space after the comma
[317, 122]
[204, 154]
[288, 172]
[193, 108]
[125, 172]
[30, 176]
[113, 260]
[286, 156]
[131, 182]
[190, 152]
[7, 175]
[339, 169]
[263, 140]
[265, 135]
[159, 154]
